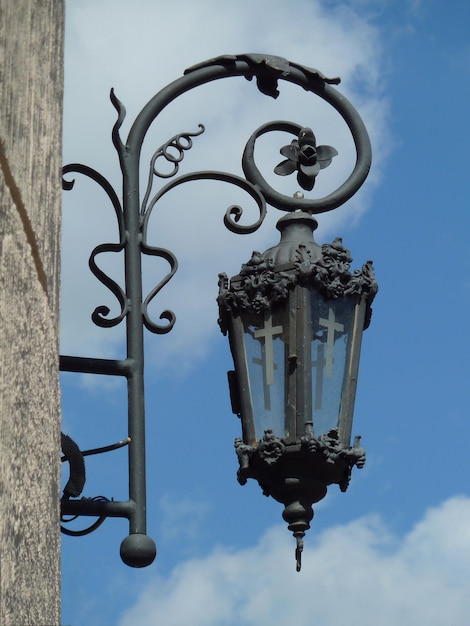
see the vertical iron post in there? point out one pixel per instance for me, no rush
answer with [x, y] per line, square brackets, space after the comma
[135, 342]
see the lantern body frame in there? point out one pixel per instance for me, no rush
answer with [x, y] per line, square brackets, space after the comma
[294, 316]
[295, 357]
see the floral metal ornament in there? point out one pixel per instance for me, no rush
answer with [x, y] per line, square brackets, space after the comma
[306, 157]
[258, 289]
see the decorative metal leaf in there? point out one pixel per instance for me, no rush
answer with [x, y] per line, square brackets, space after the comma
[325, 155]
[310, 170]
[307, 138]
[291, 151]
[285, 167]
[306, 182]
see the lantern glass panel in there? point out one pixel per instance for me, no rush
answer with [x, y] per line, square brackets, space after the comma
[265, 337]
[332, 325]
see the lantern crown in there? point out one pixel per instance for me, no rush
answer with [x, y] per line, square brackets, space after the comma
[296, 229]
[267, 277]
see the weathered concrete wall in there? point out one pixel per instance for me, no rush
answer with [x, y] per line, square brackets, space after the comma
[31, 79]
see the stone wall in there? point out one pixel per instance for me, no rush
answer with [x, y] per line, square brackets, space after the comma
[31, 76]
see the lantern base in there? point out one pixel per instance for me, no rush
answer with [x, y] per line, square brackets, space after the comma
[297, 474]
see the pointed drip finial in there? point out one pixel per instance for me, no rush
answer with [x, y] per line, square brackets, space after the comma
[298, 550]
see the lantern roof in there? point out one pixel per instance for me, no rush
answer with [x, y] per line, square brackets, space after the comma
[296, 228]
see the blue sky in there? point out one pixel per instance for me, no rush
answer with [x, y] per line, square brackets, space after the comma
[397, 544]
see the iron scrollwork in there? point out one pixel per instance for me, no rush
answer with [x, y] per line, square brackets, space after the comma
[100, 314]
[302, 155]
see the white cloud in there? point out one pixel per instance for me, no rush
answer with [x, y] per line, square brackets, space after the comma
[355, 572]
[181, 519]
[137, 47]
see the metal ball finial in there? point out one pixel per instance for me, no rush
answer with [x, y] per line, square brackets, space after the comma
[138, 550]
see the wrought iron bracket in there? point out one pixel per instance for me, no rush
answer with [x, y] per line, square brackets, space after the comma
[132, 214]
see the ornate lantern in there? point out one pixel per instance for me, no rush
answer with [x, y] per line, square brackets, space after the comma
[295, 316]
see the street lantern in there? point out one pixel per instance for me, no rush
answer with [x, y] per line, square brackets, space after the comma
[295, 316]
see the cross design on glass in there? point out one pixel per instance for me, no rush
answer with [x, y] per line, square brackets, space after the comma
[267, 395]
[267, 333]
[332, 326]
[319, 364]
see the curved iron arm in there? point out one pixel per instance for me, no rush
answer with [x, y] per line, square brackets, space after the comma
[267, 70]
[233, 213]
[165, 315]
